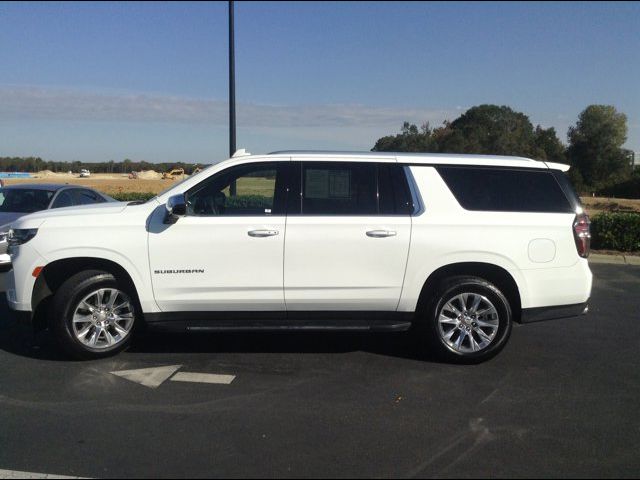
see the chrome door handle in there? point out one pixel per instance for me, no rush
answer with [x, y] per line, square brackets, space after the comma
[262, 233]
[381, 233]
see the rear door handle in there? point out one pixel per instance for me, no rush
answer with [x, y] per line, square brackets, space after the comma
[263, 233]
[381, 233]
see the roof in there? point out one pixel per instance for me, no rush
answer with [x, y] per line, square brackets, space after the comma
[419, 158]
[39, 186]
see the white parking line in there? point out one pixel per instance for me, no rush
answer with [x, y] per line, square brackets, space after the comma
[15, 474]
[202, 378]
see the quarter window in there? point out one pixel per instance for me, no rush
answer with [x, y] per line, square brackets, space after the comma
[505, 190]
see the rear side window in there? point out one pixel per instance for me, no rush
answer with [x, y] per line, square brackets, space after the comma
[393, 190]
[86, 197]
[337, 188]
[64, 199]
[505, 190]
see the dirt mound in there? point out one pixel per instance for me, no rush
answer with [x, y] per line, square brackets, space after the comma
[149, 175]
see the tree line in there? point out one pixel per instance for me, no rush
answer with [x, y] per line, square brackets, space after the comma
[594, 150]
[37, 164]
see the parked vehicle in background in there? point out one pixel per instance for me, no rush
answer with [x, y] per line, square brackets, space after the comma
[456, 246]
[19, 200]
[84, 173]
[173, 174]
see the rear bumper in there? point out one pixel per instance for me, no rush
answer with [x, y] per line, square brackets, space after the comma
[530, 315]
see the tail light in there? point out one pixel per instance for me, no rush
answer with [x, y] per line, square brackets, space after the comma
[582, 234]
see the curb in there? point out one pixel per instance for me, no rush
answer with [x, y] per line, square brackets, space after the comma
[614, 259]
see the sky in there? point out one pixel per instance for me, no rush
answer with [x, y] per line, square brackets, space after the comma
[149, 81]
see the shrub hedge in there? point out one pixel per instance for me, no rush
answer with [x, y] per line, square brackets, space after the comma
[616, 231]
[249, 202]
[627, 189]
[131, 196]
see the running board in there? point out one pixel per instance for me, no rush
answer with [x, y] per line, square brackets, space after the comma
[307, 327]
[268, 321]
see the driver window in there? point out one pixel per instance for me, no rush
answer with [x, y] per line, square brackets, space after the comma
[253, 189]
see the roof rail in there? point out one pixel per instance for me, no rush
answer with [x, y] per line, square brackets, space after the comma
[328, 152]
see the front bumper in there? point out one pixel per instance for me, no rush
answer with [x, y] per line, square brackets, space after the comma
[5, 263]
[530, 315]
[23, 318]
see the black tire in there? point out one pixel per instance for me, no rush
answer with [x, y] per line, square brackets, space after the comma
[65, 301]
[448, 289]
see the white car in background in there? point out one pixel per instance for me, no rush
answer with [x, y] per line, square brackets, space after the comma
[456, 246]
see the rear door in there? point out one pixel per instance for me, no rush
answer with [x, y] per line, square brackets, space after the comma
[347, 239]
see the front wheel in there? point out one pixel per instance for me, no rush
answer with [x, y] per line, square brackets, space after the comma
[468, 320]
[93, 315]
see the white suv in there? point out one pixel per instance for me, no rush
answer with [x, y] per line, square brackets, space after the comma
[456, 246]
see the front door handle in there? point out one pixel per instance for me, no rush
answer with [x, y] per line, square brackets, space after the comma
[263, 233]
[381, 233]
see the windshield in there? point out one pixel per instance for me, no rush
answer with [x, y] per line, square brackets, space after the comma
[24, 200]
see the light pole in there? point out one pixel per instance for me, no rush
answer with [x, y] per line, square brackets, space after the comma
[232, 93]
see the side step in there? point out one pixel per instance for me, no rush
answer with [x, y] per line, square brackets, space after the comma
[303, 326]
[267, 321]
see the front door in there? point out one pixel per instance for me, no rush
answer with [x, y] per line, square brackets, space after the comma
[226, 254]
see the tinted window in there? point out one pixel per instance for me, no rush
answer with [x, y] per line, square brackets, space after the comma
[505, 190]
[337, 188]
[64, 199]
[253, 189]
[393, 190]
[567, 186]
[24, 200]
[86, 197]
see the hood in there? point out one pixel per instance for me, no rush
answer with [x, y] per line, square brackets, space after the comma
[6, 218]
[94, 209]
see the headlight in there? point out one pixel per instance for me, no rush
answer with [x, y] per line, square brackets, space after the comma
[20, 236]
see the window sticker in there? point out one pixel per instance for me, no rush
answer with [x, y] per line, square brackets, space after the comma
[316, 183]
[339, 184]
[327, 183]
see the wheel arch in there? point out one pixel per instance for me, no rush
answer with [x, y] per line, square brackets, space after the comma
[495, 274]
[54, 274]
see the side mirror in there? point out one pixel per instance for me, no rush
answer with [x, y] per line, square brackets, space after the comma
[176, 208]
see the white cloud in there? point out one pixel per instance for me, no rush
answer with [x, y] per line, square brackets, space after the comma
[24, 103]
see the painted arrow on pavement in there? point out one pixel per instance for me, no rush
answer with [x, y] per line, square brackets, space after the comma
[149, 377]
[155, 376]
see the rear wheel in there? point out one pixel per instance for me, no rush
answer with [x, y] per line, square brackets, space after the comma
[93, 315]
[468, 320]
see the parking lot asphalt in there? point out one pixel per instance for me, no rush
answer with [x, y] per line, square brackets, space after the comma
[562, 399]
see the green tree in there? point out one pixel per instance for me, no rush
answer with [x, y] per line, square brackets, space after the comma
[490, 129]
[595, 145]
[548, 145]
[410, 139]
[485, 129]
